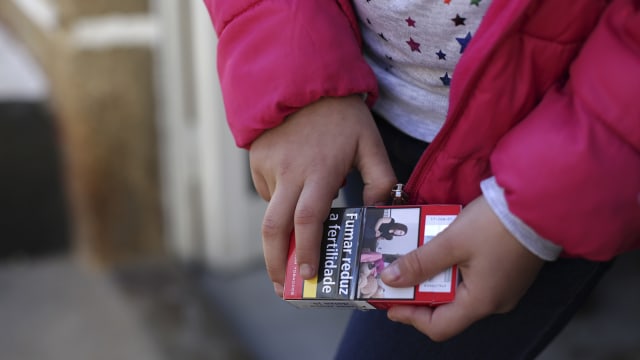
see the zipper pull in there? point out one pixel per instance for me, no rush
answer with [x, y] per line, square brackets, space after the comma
[398, 196]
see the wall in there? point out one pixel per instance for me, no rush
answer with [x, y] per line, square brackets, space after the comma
[98, 56]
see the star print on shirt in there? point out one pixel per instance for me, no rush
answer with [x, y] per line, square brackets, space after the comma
[441, 55]
[415, 46]
[473, 2]
[464, 42]
[410, 22]
[458, 20]
[446, 80]
[382, 37]
[447, 2]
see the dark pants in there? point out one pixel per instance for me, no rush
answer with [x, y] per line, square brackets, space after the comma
[560, 289]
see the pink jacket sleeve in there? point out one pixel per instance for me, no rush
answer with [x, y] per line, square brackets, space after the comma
[571, 169]
[275, 57]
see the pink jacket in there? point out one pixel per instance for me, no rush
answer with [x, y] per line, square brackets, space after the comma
[545, 98]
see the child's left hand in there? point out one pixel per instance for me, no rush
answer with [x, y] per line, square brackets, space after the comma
[496, 272]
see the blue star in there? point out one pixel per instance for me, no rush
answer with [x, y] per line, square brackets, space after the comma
[441, 55]
[464, 42]
[446, 80]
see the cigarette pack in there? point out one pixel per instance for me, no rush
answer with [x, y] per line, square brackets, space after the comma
[357, 244]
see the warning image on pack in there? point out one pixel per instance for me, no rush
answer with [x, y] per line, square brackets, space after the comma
[388, 234]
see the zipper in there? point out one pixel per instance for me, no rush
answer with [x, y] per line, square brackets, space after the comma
[398, 195]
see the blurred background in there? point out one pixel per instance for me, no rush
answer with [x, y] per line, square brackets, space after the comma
[129, 225]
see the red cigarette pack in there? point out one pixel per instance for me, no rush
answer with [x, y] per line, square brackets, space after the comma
[357, 244]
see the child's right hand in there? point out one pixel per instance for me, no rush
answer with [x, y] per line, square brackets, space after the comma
[299, 167]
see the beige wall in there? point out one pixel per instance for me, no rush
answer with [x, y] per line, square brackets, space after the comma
[102, 97]
[70, 10]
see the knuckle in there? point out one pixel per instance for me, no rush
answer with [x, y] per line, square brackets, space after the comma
[284, 169]
[414, 266]
[438, 335]
[271, 228]
[262, 190]
[304, 215]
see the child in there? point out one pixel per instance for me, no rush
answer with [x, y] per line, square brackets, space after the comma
[531, 123]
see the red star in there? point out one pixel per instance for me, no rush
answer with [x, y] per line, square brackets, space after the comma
[415, 46]
[410, 22]
[447, 2]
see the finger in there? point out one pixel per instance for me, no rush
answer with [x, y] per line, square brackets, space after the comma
[276, 231]
[377, 174]
[311, 212]
[278, 289]
[422, 263]
[261, 186]
[264, 187]
[442, 322]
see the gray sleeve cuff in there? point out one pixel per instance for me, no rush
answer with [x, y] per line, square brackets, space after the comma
[538, 245]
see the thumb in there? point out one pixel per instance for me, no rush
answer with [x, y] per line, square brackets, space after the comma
[421, 264]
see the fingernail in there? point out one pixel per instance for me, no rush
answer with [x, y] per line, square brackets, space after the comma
[391, 272]
[306, 271]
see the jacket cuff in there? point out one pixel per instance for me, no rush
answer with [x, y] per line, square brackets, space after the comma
[538, 245]
[274, 59]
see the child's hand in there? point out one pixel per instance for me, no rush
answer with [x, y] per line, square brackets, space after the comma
[496, 271]
[299, 167]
